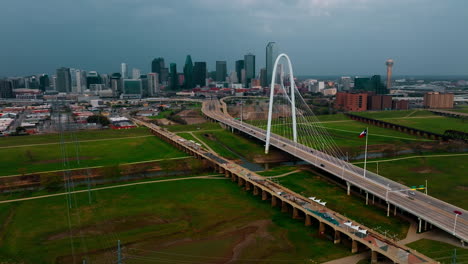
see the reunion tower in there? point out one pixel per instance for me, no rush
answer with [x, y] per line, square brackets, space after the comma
[389, 64]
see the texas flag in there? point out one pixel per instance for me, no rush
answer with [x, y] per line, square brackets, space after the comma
[363, 133]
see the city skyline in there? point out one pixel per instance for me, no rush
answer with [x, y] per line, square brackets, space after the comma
[322, 37]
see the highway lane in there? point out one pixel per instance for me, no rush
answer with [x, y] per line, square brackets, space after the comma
[428, 208]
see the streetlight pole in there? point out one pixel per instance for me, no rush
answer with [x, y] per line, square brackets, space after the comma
[455, 222]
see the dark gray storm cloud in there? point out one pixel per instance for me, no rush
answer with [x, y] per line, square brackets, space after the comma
[322, 37]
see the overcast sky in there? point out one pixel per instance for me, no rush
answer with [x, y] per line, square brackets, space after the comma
[322, 37]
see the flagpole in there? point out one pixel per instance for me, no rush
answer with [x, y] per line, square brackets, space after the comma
[365, 153]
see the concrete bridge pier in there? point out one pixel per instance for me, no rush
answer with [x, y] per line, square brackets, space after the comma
[284, 207]
[240, 181]
[248, 186]
[274, 201]
[264, 195]
[419, 225]
[354, 246]
[349, 188]
[337, 237]
[308, 220]
[296, 213]
[321, 228]
[233, 177]
[227, 174]
[388, 209]
[367, 198]
[256, 191]
[374, 255]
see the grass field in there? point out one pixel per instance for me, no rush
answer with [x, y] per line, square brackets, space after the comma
[194, 127]
[106, 151]
[309, 184]
[81, 135]
[206, 221]
[439, 251]
[447, 178]
[421, 119]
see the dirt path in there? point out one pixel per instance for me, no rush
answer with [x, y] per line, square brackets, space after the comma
[284, 174]
[211, 177]
[203, 142]
[72, 142]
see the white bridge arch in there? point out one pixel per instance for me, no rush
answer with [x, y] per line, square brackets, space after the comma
[272, 93]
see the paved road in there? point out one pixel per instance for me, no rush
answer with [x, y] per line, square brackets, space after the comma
[427, 208]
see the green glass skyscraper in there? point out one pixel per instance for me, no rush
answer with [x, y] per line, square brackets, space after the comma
[249, 63]
[271, 54]
[221, 71]
[188, 73]
[199, 73]
[174, 82]
[239, 68]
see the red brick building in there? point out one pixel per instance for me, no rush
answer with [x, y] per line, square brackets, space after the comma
[351, 101]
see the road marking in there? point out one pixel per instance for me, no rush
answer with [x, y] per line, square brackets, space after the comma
[212, 177]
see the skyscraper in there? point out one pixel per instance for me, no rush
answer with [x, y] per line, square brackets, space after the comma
[249, 64]
[263, 77]
[164, 76]
[156, 66]
[63, 83]
[188, 73]
[44, 82]
[136, 73]
[271, 54]
[389, 64]
[173, 80]
[239, 68]
[153, 83]
[199, 73]
[116, 84]
[124, 70]
[221, 71]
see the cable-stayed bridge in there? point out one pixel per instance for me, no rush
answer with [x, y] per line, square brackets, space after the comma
[290, 125]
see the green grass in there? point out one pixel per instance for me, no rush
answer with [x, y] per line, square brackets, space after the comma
[446, 176]
[161, 115]
[309, 184]
[278, 171]
[230, 145]
[440, 251]
[202, 218]
[80, 135]
[394, 114]
[96, 153]
[194, 127]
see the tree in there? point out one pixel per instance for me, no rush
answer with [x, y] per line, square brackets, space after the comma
[98, 119]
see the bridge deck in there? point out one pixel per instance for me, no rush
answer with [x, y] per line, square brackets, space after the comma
[427, 208]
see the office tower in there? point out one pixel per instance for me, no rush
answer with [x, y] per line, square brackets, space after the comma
[92, 79]
[188, 73]
[221, 71]
[6, 89]
[124, 70]
[263, 77]
[144, 85]
[44, 82]
[79, 81]
[180, 78]
[73, 79]
[136, 73]
[271, 54]
[351, 101]
[63, 83]
[372, 84]
[132, 88]
[345, 83]
[164, 76]
[239, 68]
[157, 64]
[249, 66]
[389, 64]
[173, 77]
[233, 77]
[116, 84]
[153, 83]
[199, 73]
